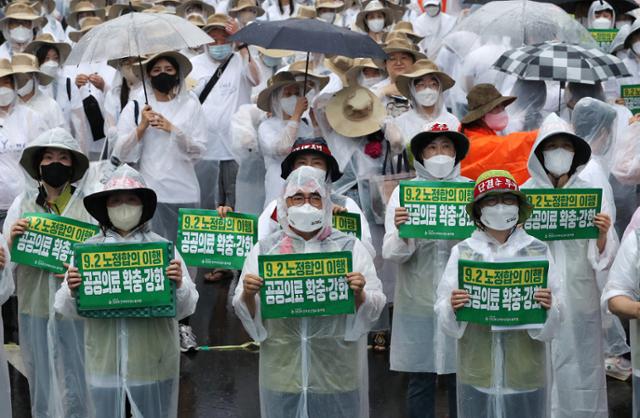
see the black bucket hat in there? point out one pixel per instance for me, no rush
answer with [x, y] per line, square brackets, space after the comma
[316, 145]
[434, 130]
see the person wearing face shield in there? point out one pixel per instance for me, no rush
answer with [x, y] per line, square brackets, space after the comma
[51, 344]
[312, 366]
[418, 345]
[485, 119]
[500, 374]
[433, 25]
[579, 384]
[18, 25]
[601, 15]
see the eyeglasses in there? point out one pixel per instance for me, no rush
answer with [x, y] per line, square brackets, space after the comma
[299, 199]
[507, 199]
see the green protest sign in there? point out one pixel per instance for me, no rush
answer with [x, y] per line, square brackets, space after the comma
[349, 223]
[561, 214]
[48, 241]
[604, 37]
[502, 293]
[207, 240]
[125, 280]
[436, 209]
[297, 285]
[631, 95]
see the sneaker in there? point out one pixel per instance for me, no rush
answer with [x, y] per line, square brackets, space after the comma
[187, 338]
[618, 368]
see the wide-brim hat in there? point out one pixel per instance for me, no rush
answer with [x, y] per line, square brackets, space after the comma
[360, 64]
[355, 111]
[246, 4]
[84, 6]
[495, 182]
[5, 68]
[184, 63]
[330, 4]
[159, 9]
[481, 99]
[435, 130]
[316, 145]
[373, 6]
[207, 9]
[420, 69]
[339, 65]
[298, 70]
[22, 63]
[54, 138]
[124, 179]
[22, 11]
[217, 20]
[46, 39]
[406, 28]
[49, 5]
[117, 9]
[281, 79]
[275, 53]
[402, 43]
[87, 24]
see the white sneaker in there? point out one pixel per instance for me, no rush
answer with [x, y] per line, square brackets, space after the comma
[187, 338]
[618, 367]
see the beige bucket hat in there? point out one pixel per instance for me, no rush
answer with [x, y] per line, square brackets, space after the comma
[183, 62]
[406, 28]
[218, 20]
[84, 6]
[244, 5]
[358, 65]
[207, 9]
[355, 111]
[46, 39]
[373, 6]
[297, 69]
[5, 68]
[87, 24]
[419, 69]
[401, 43]
[275, 53]
[339, 65]
[22, 11]
[28, 64]
[330, 4]
[281, 79]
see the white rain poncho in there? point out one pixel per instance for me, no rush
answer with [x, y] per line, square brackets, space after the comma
[51, 344]
[624, 280]
[599, 6]
[42, 104]
[433, 29]
[579, 387]
[313, 366]
[135, 358]
[527, 112]
[6, 290]
[622, 48]
[418, 343]
[500, 374]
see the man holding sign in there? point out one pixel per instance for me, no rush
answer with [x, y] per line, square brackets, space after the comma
[312, 361]
[501, 373]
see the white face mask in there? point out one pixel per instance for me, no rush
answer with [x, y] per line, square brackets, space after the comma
[427, 97]
[246, 17]
[601, 23]
[558, 161]
[439, 166]
[636, 47]
[621, 23]
[327, 16]
[21, 35]
[26, 89]
[375, 25]
[50, 68]
[500, 217]
[7, 95]
[432, 10]
[288, 104]
[125, 217]
[305, 218]
[368, 81]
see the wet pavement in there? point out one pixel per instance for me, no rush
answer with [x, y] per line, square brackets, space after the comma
[221, 384]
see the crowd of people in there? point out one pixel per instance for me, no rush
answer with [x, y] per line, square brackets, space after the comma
[296, 138]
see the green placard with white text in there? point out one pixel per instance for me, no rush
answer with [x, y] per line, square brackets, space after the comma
[349, 223]
[631, 95]
[604, 37]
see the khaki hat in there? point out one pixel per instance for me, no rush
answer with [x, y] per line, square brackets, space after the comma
[22, 11]
[84, 6]
[281, 79]
[117, 9]
[298, 69]
[28, 64]
[406, 28]
[184, 64]
[207, 9]
[48, 4]
[101, 4]
[158, 8]
[419, 69]
[481, 99]
[339, 65]
[46, 39]
[305, 12]
[196, 20]
[246, 4]
[358, 65]
[330, 4]
[355, 111]
[275, 53]
[401, 43]
[5, 68]
[218, 20]
[87, 24]
[373, 6]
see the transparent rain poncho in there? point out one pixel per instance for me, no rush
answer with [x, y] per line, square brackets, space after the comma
[51, 344]
[527, 112]
[6, 290]
[313, 366]
[579, 387]
[599, 6]
[134, 358]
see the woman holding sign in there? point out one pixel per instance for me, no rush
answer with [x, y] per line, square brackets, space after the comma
[501, 373]
[310, 365]
[418, 345]
[134, 359]
[579, 385]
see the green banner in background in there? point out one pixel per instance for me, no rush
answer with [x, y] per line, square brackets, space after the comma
[562, 214]
[48, 241]
[349, 223]
[604, 37]
[631, 95]
[207, 240]
[125, 280]
[502, 293]
[436, 210]
[298, 285]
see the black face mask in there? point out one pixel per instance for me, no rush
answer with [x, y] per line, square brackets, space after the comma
[164, 82]
[56, 174]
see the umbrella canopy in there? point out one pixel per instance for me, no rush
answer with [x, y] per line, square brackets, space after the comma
[561, 62]
[135, 34]
[309, 35]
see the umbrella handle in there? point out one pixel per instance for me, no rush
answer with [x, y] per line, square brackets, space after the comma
[306, 72]
[144, 86]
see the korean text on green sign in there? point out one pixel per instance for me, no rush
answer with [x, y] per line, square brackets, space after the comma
[297, 285]
[436, 209]
[48, 241]
[502, 293]
[207, 240]
[561, 214]
[349, 223]
[129, 280]
[604, 37]
[631, 95]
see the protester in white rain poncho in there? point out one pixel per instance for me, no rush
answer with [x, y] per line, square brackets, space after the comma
[365, 72]
[433, 24]
[526, 113]
[51, 345]
[601, 15]
[134, 359]
[166, 139]
[329, 11]
[127, 86]
[53, 27]
[313, 366]
[373, 20]
[418, 344]
[269, 61]
[579, 386]
[628, 44]
[6, 290]
[500, 374]
[17, 25]
[424, 85]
